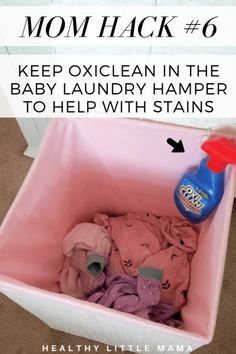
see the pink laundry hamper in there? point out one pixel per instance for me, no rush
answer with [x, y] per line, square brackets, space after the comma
[111, 166]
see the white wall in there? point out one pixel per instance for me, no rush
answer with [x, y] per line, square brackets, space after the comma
[33, 131]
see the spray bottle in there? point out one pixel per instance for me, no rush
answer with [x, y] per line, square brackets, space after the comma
[200, 190]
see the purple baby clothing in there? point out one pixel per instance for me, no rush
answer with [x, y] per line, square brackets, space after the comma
[137, 295]
[129, 294]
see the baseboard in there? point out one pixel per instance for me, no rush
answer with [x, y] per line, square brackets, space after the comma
[31, 151]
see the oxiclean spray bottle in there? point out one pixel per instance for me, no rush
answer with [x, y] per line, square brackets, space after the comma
[200, 190]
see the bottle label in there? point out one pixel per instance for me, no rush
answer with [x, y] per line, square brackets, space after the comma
[191, 199]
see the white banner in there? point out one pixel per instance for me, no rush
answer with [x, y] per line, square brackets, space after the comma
[154, 87]
[117, 26]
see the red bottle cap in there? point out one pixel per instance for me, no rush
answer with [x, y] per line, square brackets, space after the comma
[221, 151]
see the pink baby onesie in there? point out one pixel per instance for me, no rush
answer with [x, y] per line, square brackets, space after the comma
[179, 233]
[87, 248]
[135, 237]
[176, 274]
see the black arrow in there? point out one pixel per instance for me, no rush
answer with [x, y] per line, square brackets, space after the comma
[177, 147]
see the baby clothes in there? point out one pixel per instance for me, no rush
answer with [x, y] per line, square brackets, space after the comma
[175, 266]
[137, 295]
[87, 248]
[148, 270]
[90, 237]
[130, 294]
[134, 239]
[76, 280]
[179, 233]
